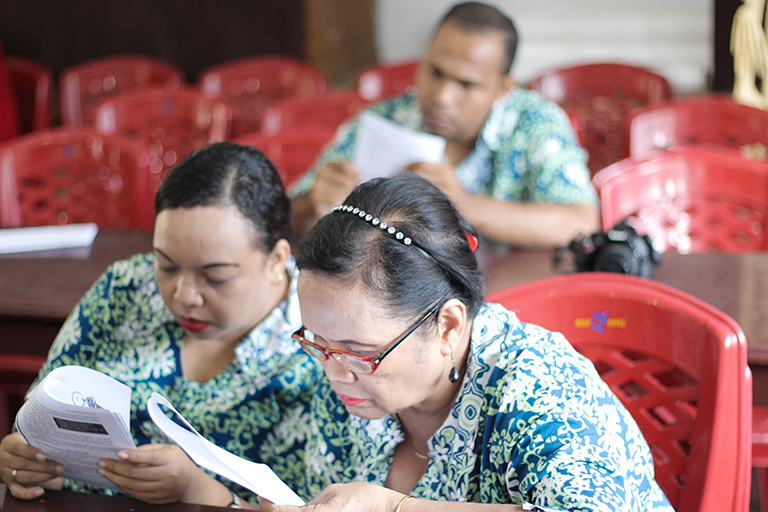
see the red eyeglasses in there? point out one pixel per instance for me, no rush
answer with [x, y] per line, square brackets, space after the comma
[355, 362]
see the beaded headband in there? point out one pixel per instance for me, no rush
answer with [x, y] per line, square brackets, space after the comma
[391, 230]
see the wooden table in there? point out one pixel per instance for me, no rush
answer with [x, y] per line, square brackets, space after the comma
[66, 501]
[38, 290]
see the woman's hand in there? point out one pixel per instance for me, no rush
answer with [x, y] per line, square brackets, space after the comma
[159, 473]
[33, 471]
[351, 497]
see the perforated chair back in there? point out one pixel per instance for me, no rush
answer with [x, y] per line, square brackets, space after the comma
[602, 95]
[293, 151]
[17, 372]
[251, 84]
[32, 82]
[679, 366]
[327, 110]
[691, 199]
[172, 123]
[381, 81]
[714, 119]
[83, 86]
[73, 175]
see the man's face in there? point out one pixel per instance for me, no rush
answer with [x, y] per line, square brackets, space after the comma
[459, 80]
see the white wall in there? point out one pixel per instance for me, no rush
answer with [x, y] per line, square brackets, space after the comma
[672, 37]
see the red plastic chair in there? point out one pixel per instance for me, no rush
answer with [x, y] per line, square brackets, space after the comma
[293, 151]
[602, 95]
[760, 452]
[32, 82]
[17, 372]
[84, 85]
[326, 110]
[72, 175]
[710, 119]
[171, 122]
[692, 199]
[251, 84]
[678, 364]
[382, 81]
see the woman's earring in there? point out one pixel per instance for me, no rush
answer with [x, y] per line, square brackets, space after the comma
[453, 375]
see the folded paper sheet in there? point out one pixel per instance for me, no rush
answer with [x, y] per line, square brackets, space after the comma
[43, 238]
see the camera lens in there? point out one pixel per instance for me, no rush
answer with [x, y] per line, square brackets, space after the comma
[616, 258]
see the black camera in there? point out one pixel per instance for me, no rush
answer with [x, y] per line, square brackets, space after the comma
[620, 250]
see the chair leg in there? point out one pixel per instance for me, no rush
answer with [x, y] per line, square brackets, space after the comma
[762, 488]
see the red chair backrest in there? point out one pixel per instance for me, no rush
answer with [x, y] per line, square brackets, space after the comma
[679, 366]
[602, 95]
[293, 151]
[326, 110]
[83, 86]
[382, 81]
[17, 372]
[72, 175]
[171, 123]
[690, 199]
[32, 82]
[251, 84]
[714, 119]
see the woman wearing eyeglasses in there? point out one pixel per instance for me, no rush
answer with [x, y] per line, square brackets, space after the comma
[432, 396]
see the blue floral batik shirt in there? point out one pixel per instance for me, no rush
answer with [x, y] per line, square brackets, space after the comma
[526, 151]
[121, 327]
[533, 422]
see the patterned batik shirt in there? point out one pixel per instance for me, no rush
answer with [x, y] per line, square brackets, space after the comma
[526, 151]
[533, 422]
[121, 327]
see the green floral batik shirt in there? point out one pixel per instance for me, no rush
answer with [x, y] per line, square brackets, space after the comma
[533, 422]
[121, 327]
[526, 151]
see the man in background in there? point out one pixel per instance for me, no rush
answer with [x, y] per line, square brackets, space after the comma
[512, 164]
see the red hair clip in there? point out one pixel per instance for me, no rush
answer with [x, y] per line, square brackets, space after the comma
[473, 241]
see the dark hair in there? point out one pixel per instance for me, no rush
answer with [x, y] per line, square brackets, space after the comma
[480, 17]
[225, 174]
[350, 248]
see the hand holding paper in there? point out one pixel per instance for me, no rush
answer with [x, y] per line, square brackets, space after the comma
[384, 147]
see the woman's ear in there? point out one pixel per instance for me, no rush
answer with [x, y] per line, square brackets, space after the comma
[452, 324]
[278, 259]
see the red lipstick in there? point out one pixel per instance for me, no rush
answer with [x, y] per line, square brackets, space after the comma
[193, 325]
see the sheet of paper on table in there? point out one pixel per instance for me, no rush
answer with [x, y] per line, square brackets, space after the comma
[259, 478]
[43, 238]
[384, 147]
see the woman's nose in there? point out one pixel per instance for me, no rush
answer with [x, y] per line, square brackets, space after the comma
[336, 371]
[187, 293]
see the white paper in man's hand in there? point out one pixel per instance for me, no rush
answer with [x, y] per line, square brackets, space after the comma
[259, 478]
[383, 147]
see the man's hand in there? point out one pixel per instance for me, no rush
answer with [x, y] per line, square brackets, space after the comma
[32, 470]
[333, 183]
[443, 177]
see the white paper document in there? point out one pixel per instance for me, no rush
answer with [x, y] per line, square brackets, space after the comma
[78, 416]
[383, 147]
[259, 478]
[43, 238]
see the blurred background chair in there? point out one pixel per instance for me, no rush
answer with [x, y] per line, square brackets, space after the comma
[691, 199]
[32, 82]
[172, 123]
[326, 110]
[714, 119]
[293, 150]
[678, 364]
[82, 86]
[381, 81]
[17, 371]
[251, 84]
[600, 96]
[10, 126]
[72, 175]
